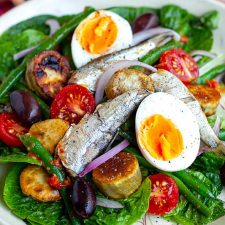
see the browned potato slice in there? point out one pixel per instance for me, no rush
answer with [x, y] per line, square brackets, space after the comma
[208, 97]
[128, 79]
[49, 132]
[47, 73]
[118, 177]
[33, 182]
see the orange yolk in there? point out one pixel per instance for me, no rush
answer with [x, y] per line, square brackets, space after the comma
[160, 137]
[97, 34]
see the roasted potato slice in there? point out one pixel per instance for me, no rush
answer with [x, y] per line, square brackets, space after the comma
[118, 177]
[208, 97]
[49, 132]
[128, 79]
[47, 73]
[33, 182]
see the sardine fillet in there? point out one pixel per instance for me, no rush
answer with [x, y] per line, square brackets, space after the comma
[89, 74]
[167, 82]
[85, 141]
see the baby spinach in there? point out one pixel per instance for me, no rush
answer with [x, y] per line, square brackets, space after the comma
[135, 207]
[132, 13]
[197, 29]
[26, 207]
[8, 154]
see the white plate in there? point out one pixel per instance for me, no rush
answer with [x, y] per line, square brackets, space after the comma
[63, 7]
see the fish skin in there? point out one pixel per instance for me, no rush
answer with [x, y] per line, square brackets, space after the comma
[86, 140]
[89, 74]
[165, 81]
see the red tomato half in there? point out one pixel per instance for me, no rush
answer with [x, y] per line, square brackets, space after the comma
[179, 63]
[164, 196]
[10, 128]
[72, 103]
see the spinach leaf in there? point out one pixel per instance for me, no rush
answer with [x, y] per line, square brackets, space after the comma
[8, 154]
[26, 207]
[132, 13]
[135, 207]
[197, 29]
[36, 23]
[26, 39]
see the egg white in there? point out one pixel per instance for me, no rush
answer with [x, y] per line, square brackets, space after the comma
[123, 39]
[175, 110]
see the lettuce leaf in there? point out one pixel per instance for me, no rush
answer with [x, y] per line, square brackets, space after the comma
[8, 154]
[135, 207]
[26, 207]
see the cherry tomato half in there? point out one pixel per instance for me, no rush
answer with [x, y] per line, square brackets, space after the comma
[179, 63]
[72, 103]
[10, 128]
[164, 196]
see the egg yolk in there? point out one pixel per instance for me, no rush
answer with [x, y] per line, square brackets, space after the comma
[161, 138]
[97, 34]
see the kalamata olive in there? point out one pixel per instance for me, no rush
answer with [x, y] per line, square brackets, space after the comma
[222, 174]
[145, 21]
[83, 198]
[25, 107]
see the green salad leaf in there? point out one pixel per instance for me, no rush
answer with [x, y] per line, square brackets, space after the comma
[26, 207]
[197, 29]
[8, 154]
[135, 207]
[35, 23]
[132, 13]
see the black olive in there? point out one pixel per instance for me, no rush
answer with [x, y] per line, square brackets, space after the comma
[25, 107]
[83, 198]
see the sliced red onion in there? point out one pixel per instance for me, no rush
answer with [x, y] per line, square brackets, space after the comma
[23, 53]
[105, 77]
[222, 106]
[203, 53]
[216, 127]
[203, 149]
[197, 58]
[103, 158]
[104, 202]
[53, 25]
[145, 34]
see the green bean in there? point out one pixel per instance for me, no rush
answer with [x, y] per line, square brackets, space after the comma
[43, 105]
[33, 145]
[190, 196]
[211, 74]
[127, 135]
[48, 44]
[193, 183]
[153, 56]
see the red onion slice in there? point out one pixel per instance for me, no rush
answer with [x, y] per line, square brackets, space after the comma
[145, 34]
[197, 58]
[23, 53]
[53, 25]
[203, 53]
[216, 127]
[222, 106]
[103, 158]
[105, 77]
[203, 149]
[104, 202]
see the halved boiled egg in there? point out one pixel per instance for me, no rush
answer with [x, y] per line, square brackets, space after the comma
[101, 33]
[167, 132]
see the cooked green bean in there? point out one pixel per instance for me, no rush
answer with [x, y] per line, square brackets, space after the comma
[33, 145]
[153, 56]
[211, 74]
[48, 44]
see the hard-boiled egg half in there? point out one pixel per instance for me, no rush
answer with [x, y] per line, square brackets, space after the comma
[101, 33]
[167, 132]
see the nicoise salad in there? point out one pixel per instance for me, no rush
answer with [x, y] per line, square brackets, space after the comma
[113, 116]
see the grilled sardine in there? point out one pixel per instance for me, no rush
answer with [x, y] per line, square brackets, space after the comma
[89, 74]
[85, 141]
[167, 82]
